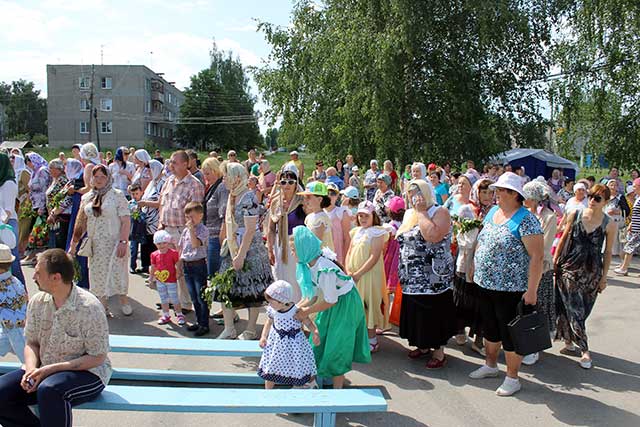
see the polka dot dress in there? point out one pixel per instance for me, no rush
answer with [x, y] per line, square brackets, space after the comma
[288, 358]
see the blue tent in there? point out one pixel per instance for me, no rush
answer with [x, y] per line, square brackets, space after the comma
[537, 162]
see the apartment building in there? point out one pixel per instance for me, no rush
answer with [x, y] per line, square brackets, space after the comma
[131, 105]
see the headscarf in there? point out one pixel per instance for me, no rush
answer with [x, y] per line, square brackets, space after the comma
[38, 163]
[281, 218]
[423, 169]
[74, 169]
[18, 164]
[18, 150]
[6, 170]
[89, 153]
[98, 194]
[142, 155]
[480, 210]
[156, 169]
[537, 191]
[411, 217]
[234, 171]
[308, 248]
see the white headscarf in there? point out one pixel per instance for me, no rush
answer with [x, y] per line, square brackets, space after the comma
[156, 169]
[74, 169]
[18, 165]
[89, 153]
[143, 156]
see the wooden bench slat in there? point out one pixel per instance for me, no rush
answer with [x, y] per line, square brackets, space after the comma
[207, 400]
[183, 346]
[168, 376]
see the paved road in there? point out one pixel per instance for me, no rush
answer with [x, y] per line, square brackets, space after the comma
[556, 391]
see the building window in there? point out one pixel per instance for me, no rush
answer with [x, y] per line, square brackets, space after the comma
[84, 105]
[154, 129]
[147, 107]
[106, 127]
[147, 84]
[106, 104]
[84, 83]
[106, 82]
[147, 128]
[171, 116]
[84, 127]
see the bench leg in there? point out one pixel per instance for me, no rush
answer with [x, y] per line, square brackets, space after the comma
[324, 419]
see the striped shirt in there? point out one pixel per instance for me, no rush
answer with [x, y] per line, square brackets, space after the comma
[635, 217]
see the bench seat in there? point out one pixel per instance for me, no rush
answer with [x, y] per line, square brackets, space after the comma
[324, 404]
[183, 346]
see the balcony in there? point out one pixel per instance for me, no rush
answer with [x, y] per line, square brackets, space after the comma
[157, 96]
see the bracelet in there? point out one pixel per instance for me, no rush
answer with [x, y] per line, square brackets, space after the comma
[123, 241]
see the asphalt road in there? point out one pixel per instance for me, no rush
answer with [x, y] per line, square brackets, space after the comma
[556, 391]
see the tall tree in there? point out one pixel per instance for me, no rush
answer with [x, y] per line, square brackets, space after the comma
[26, 111]
[443, 80]
[218, 111]
[598, 90]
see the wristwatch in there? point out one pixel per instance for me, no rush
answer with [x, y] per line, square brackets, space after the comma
[122, 241]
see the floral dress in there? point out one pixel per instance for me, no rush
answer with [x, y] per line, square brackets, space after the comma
[108, 274]
[288, 358]
[55, 199]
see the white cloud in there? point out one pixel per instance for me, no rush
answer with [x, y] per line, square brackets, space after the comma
[73, 5]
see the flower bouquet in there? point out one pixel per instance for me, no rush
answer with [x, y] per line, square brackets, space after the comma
[26, 210]
[39, 236]
[464, 225]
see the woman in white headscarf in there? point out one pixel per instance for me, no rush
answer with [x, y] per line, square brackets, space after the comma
[23, 175]
[75, 173]
[151, 208]
[142, 176]
[90, 158]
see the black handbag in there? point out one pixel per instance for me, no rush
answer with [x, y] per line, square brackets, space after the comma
[529, 332]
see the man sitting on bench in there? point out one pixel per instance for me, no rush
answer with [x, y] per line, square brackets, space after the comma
[66, 360]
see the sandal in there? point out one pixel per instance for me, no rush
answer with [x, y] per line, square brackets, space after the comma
[374, 347]
[621, 272]
[418, 354]
[437, 364]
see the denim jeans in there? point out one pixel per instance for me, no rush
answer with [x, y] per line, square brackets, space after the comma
[133, 246]
[12, 341]
[54, 396]
[213, 255]
[195, 277]
[16, 269]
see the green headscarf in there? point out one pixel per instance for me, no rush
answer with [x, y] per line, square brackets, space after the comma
[6, 170]
[307, 249]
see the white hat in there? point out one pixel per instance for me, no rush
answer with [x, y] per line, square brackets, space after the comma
[5, 254]
[280, 291]
[355, 169]
[579, 186]
[510, 181]
[294, 153]
[162, 236]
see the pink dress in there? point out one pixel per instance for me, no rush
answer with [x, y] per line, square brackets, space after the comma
[336, 216]
[392, 256]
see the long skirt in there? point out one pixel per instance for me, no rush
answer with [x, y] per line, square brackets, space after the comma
[343, 336]
[466, 299]
[547, 301]
[574, 301]
[428, 321]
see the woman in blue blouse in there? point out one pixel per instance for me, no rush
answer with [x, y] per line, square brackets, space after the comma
[508, 267]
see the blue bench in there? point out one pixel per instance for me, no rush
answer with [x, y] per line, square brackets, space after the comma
[183, 346]
[169, 376]
[324, 404]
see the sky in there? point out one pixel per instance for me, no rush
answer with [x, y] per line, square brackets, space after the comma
[179, 33]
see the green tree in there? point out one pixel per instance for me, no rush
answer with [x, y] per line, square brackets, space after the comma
[271, 138]
[218, 111]
[26, 111]
[440, 80]
[598, 91]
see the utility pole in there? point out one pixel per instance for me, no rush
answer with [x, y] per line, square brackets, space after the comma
[93, 71]
[95, 116]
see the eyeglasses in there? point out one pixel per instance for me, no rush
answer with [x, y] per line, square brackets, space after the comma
[287, 182]
[597, 198]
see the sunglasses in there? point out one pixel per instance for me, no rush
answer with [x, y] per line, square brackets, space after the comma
[595, 197]
[287, 182]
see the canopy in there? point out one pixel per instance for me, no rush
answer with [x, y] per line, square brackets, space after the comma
[537, 162]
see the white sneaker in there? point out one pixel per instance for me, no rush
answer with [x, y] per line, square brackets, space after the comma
[530, 359]
[509, 387]
[586, 363]
[248, 335]
[228, 334]
[484, 372]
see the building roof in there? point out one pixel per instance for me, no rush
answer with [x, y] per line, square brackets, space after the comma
[13, 144]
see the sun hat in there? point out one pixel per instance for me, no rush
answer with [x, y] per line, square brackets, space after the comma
[332, 187]
[579, 186]
[384, 177]
[351, 192]
[5, 254]
[294, 153]
[395, 204]
[162, 236]
[314, 188]
[280, 291]
[510, 181]
[355, 169]
[366, 207]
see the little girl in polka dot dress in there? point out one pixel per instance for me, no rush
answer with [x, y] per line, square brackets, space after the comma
[287, 358]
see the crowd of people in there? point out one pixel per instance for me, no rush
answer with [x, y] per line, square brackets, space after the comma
[437, 252]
